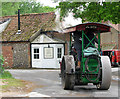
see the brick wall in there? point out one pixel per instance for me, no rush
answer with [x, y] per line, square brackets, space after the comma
[17, 54]
[67, 39]
[8, 55]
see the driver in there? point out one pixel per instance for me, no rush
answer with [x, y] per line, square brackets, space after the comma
[78, 46]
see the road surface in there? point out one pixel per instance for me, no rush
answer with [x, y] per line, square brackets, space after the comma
[49, 85]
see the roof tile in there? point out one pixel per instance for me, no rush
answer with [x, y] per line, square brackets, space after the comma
[30, 24]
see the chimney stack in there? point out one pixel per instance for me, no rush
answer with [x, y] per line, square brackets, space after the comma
[19, 31]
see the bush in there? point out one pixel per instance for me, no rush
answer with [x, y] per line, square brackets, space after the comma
[1, 65]
[3, 73]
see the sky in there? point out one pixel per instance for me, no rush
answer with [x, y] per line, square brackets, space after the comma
[69, 21]
[48, 3]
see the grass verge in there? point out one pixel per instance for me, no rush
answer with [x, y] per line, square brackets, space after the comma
[5, 75]
[10, 84]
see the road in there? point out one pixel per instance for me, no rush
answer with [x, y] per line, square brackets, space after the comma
[49, 83]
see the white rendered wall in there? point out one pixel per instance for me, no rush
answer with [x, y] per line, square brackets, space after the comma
[46, 63]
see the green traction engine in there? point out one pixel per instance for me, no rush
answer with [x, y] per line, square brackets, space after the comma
[94, 68]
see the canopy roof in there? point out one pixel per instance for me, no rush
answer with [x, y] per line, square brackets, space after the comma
[95, 27]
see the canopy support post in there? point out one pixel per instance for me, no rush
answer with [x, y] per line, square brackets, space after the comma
[99, 41]
[82, 43]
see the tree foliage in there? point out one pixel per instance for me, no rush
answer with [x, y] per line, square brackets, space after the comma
[92, 11]
[11, 8]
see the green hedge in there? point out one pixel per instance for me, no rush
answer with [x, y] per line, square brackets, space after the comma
[1, 65]
[3, 73]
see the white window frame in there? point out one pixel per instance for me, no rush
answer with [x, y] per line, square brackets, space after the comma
[59, 53]
[51, 52]
[37, 53]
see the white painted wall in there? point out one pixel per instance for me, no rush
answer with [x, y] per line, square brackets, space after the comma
[46, 63]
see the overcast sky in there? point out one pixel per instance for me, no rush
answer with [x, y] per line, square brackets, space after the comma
[69, 21]
[48, 3]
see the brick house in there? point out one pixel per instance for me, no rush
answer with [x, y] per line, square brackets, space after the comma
[38, 42]
[111, 40]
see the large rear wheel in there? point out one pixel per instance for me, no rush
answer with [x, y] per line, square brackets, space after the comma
[67, 73]
[105, 74]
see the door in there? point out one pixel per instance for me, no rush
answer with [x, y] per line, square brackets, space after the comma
[36, 57]
[59, 54]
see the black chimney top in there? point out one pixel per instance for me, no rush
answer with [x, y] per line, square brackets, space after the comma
[19, 31]
[18, 19]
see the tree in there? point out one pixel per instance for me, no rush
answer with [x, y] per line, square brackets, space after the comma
[92, 11]
[11, 8]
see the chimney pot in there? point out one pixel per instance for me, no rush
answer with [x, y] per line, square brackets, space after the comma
[19, 32]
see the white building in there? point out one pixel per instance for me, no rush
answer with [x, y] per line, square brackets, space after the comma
[46, 52]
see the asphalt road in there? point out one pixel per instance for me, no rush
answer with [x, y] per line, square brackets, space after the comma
[49, 83]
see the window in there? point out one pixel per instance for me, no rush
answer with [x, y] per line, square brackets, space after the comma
[36, 53]
[59, 52]
[48, 53]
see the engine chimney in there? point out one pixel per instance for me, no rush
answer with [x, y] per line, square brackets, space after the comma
[19, 31]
